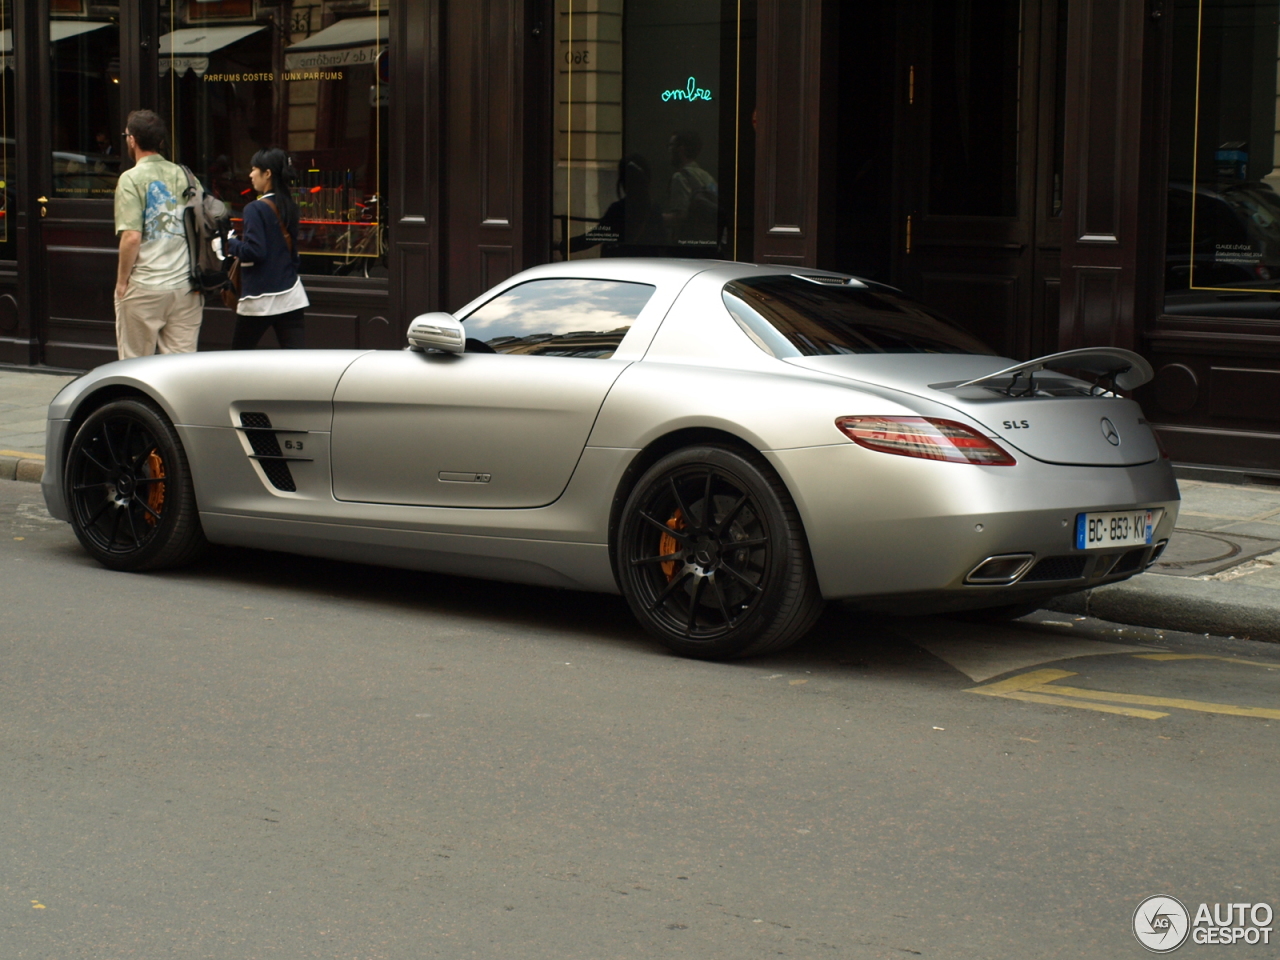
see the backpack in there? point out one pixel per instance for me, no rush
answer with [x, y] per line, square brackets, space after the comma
[203, 218]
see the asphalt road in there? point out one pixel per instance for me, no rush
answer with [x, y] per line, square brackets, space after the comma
[270, 757]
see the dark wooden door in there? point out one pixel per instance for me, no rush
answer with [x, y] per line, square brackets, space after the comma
[979, 196]
[485, 126]
[85, 72]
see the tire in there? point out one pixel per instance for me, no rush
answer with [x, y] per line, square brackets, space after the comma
[735, 582]
[128, 487]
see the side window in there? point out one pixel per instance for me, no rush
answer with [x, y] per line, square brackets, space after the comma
[557, 318]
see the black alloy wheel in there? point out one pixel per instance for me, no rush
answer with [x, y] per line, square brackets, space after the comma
[129, 491]
[712, 556]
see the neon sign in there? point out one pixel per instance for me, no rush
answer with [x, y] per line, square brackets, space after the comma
[691, 91]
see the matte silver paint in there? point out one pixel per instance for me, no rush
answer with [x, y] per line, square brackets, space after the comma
[387, 431]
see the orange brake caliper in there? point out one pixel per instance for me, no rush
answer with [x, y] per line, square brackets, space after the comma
[155, 496]
[669, 544]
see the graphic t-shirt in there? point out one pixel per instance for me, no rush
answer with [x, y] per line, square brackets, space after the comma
[149, 199]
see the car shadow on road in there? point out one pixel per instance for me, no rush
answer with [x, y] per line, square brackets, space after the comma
[841, 640]
[844, 642]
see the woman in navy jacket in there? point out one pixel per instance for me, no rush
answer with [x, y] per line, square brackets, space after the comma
[271, 293]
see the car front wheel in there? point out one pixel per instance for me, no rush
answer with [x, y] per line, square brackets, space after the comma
[129, 489]
[712, 558]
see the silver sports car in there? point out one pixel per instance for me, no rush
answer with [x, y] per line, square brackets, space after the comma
[726, 445]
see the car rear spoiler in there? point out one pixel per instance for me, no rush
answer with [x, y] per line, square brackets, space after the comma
[1123, 368]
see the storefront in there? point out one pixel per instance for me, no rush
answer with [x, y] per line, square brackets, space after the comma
[1013, 162]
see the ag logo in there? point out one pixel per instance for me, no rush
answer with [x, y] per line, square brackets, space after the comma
[1161, 924]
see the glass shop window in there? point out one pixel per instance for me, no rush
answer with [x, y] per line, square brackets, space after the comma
[238, 76]
[655, 104]
[1222, 250]
[85, 111]
[8, 160]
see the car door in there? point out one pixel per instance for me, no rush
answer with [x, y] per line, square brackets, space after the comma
[501, 425]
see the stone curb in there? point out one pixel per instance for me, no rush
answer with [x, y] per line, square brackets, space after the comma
[21, 468]
[1177, 603]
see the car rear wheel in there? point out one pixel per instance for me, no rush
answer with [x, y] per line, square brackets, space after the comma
[712, 556]
[129, 489]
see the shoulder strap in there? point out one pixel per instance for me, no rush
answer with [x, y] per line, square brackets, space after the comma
[193, 185]
[288, 240]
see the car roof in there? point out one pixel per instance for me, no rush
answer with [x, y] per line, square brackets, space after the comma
[660, 269]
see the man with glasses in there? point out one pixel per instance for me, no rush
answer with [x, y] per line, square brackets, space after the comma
[156, 309]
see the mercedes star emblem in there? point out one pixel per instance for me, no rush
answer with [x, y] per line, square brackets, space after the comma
[1109, 431]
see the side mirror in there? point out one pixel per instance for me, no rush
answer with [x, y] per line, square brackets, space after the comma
[437, 331]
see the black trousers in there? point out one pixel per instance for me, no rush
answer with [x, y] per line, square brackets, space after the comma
[290, 330]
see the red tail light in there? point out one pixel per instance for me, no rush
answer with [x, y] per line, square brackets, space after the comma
[1164, 454]
[924, 437]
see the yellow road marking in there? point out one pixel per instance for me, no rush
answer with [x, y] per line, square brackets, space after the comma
[1022, 681]
[1171, 702]
[1064, 702]
[19, 453]
[1028, 687]
[1204, 656]
[1038, 686]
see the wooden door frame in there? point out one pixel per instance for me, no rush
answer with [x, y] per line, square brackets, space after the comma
[1115, 170]
[414, 223]
[960, 245]
[32, 136]
[794, 161]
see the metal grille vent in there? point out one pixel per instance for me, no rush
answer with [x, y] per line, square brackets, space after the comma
[265, 448]
[277, 472]
[1056, 568]
[1131, 561]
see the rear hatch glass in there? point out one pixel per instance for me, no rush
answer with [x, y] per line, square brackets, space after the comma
[793, 316]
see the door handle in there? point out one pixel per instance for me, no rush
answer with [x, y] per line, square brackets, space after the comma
[44, 211]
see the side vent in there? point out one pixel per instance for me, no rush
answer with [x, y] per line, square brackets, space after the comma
[266, 450]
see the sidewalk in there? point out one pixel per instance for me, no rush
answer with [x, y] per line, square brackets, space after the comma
[24, 398]
[1219, 575]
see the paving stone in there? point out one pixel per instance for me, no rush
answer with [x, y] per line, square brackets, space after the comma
[1246, 503]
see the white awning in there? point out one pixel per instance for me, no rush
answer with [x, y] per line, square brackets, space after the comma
[347, 43]
[190, 47]
[66, 29]
[58, 30]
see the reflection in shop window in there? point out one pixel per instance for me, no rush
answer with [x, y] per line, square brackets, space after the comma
[86, 119]
[654, 107]
[312, 78]
[1223, 234]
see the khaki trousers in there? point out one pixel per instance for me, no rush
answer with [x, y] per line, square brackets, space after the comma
[150, 320]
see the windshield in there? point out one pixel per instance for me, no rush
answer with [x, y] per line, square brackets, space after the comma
[790, 316]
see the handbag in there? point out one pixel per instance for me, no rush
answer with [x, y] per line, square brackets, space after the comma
[231, 289]
[231, 292]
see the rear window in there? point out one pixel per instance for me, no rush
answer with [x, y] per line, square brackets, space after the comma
[788, 316]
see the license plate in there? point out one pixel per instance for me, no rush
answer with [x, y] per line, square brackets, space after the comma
[1095, 531]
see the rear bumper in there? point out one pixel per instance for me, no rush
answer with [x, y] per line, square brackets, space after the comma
[889, 527]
